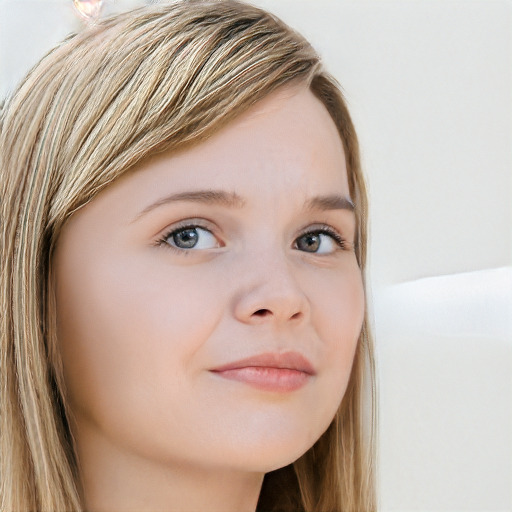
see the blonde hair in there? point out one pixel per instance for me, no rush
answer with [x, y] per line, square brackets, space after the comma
[158, 78]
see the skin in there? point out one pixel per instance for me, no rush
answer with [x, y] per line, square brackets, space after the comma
[141, 326]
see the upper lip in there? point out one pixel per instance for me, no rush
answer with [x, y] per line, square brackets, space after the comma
[283, 360]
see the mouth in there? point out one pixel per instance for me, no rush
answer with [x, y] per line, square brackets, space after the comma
[274, 372]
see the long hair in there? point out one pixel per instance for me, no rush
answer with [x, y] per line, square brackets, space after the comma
[158, 78]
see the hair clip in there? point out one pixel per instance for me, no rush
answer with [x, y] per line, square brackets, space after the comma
[88, 9]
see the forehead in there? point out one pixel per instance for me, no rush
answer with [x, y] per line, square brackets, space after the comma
[288, 138]
[277, 155]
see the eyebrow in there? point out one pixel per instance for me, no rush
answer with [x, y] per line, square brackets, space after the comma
[233, 200]
[330, 202]
[218, 197]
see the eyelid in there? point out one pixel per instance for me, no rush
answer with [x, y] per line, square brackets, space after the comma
[341, 241]
[197, 222]
[186, 224]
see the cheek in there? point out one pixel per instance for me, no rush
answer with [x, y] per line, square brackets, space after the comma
[339, 297]
[346, 312]
[338, 315]
[128, 330]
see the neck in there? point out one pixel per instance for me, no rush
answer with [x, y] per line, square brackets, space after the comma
[114, 480]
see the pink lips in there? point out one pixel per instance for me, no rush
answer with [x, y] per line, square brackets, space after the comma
[276, 372]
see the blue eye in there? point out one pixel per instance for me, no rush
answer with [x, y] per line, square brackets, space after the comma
[190, 237]
[322, 241]
[185, 238]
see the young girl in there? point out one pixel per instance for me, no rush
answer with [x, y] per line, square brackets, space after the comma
[183, 324]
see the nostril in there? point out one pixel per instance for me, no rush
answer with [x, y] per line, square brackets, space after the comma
[262, 312]
[267, 312]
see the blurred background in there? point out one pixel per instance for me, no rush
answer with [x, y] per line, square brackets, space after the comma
[429, 86]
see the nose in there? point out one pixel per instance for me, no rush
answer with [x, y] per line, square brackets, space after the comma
[270, 293]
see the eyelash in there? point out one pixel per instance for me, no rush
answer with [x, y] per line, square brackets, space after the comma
[322, 229]
[162, 242]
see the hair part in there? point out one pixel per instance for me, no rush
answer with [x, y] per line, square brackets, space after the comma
[160, 78]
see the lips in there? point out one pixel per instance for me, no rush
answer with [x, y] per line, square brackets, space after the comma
[275, 372]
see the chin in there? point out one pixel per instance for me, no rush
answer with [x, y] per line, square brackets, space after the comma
[263, 454]
[266, 461]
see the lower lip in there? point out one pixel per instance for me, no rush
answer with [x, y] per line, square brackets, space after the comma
[280, 380]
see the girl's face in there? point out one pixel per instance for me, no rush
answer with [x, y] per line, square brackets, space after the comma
[209, 302]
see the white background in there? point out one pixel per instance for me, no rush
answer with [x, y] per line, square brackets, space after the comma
[429, 85]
